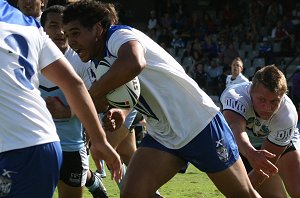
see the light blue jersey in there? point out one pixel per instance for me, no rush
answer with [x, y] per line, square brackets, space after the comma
[69, 129]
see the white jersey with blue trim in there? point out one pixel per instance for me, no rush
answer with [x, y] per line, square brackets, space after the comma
[68, 129]
[175, 108]
[239, 79]
[280, 129]
[24, 50]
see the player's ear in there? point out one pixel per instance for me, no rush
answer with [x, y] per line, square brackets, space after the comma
[99, 30]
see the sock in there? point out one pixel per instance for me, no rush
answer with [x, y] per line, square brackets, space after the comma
[93, 183]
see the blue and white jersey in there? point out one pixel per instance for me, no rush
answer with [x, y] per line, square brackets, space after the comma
[239, 79]
[280, 129]
[24, 50]
[175, 108]
[69, 129]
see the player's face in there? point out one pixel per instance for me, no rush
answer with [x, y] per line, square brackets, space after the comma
[83, 40]
[236, 67]
[265, 102]
[53, 27]
[31, 7]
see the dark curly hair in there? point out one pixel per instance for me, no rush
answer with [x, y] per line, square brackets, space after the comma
[90, 12]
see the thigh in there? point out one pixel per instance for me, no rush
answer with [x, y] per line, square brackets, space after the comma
[116, 137]
[272, 187]
[289, 170]
[233, 181]
[127, 148]
[66, 191]
[30, 172]
[148, 170]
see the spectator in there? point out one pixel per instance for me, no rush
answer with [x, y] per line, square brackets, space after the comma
[229, 54]
[30, 153]
[265, 51]
[281, 36]
[236, 76]
[152, 21]
[200, 75]
[177, 42]
[165, 38]
[214, 71]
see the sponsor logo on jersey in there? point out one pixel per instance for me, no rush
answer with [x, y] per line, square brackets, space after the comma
[235, 104]
[284, 134]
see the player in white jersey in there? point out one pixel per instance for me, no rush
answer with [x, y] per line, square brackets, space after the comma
[30, 153]
[236, 76]
[32, 8]
[75, 172]
[264, 121]
[183, 123]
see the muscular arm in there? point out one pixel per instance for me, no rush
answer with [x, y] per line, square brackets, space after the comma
[238, 126]
[129, 63]
[62, 74]
[262, 161]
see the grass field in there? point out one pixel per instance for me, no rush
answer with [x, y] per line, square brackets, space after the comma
[192, 184]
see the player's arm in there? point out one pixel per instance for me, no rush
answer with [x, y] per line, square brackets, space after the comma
[259, 159]
[237, 123]
[129, 63]
[62, 74]
[256, 177]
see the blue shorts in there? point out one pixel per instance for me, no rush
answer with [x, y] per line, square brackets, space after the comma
[30, 172]
[214, 149]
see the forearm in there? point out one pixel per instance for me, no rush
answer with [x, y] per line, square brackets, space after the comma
[244, 144]
[82, 105]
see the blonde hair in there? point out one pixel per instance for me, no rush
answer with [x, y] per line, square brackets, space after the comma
[272, 78]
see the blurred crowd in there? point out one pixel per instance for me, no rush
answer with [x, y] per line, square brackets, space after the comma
[208, 39]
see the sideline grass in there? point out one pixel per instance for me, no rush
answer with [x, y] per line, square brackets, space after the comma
[192, 184]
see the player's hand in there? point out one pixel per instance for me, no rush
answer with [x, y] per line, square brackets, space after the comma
[101, 104]
[260, 163]
[113, 119]
[57, 109]
[110, 156]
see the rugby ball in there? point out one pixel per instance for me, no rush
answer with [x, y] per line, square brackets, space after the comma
[125, 96]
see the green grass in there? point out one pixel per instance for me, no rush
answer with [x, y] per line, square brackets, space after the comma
[192, 184]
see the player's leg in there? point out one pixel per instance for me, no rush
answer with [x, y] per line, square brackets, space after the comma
[127, 147]
[65, 190]
[73, 174]
[215, 152]
[237, 182]
[148, 170]
[272, 187]
[289, 170]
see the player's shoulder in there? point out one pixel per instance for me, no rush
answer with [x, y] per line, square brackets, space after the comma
[237, 90]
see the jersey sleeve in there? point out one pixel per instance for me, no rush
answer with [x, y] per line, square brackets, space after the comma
[49, 52]
[118, 38]
[234, 101]
[283, 124]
